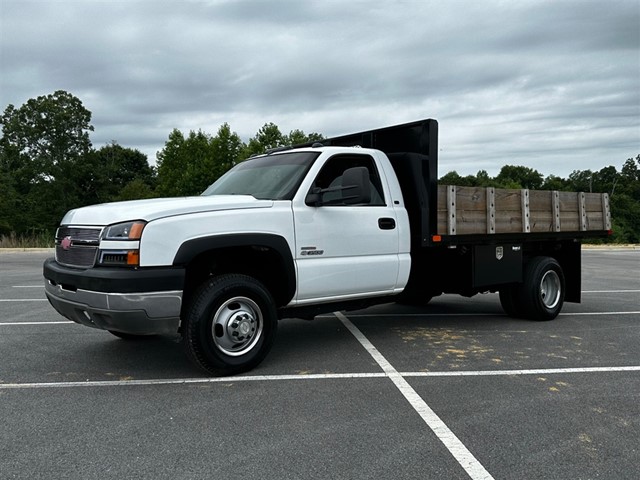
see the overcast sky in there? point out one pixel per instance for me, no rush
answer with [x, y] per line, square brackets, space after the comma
[552, 85]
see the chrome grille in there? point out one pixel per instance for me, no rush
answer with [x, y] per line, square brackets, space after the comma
[76, 256]
[80, 234]
[83, 248]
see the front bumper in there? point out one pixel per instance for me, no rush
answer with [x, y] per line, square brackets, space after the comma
[143, 301]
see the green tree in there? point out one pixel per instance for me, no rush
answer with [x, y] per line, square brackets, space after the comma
[483, 179]
[454, 178]
[108, 170]
[42, 146]
[553, 182]
[9, 204]
[136, 189]
[298, 137]
[606, 180]
[511, 176]
[169, 165]
[269, 136]
[187, 166]
[630, 178]
[183, 163]
[625, 213]
[44, 137]
[631, 169]
[580, 181]
[227, 149]
[624, 190]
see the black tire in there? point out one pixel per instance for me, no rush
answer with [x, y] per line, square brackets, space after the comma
[542, 294]
[509, 301]
[230, 324]
[130, 336]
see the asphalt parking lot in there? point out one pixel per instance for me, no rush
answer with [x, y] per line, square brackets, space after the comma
[454, 390]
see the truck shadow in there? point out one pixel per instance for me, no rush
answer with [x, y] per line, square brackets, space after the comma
[112, 358]
[323, 345]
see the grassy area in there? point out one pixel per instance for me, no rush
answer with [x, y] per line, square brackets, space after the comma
[40, 240]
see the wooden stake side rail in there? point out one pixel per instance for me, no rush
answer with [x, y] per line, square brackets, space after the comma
[478, 210]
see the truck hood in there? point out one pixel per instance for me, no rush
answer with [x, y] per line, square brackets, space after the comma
[155, 208]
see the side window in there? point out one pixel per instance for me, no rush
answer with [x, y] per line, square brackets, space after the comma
[331, 176]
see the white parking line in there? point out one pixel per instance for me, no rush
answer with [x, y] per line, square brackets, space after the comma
[538, 371]
[189, 381]
[464, 457]
[313, 376]
[473, 314]
[611, 291]
[27, 286]
[582, 314]
[13, 324]
[23, 299]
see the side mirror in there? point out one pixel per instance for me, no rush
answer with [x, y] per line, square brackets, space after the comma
[314, 197]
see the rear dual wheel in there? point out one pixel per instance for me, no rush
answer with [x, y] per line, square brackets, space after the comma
[509, 301]
[541, 295]
[230, 324]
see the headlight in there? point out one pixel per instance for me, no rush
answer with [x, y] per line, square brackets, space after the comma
[124, 231]
[127, 251]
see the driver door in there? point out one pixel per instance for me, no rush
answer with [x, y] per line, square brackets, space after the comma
[344, 250]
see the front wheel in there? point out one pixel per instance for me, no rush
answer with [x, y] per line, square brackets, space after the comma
[230, 324]
[542, 293]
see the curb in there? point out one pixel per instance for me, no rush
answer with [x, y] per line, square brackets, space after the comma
[611, 247]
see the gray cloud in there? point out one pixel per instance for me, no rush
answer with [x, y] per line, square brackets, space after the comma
[551, 85]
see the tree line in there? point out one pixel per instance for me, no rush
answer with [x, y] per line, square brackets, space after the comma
[49, 166]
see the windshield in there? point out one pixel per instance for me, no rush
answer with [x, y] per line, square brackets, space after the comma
[273, 177]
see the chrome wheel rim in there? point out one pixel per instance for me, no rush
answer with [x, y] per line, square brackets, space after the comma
[237, 326]
[550, 289]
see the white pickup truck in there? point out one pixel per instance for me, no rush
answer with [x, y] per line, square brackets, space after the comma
[354, 221]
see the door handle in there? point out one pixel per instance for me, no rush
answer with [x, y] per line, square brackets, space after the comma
[386, 223]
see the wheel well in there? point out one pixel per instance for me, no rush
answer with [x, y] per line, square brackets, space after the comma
[264, 264]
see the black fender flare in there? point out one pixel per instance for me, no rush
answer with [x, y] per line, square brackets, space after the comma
[194, 247]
